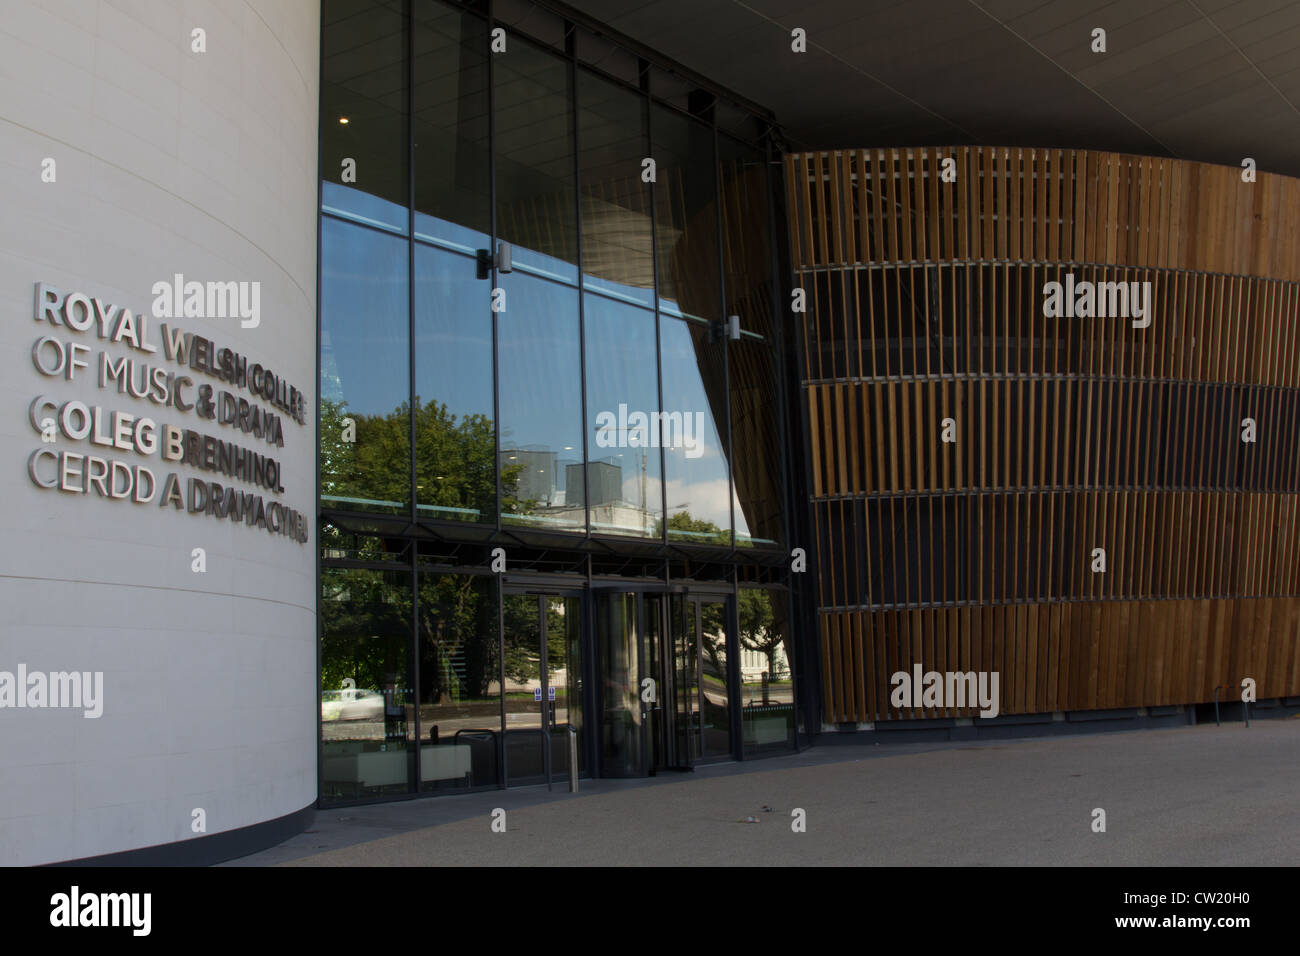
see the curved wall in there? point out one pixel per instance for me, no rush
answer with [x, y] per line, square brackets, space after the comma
[931, 315]
[167, 160]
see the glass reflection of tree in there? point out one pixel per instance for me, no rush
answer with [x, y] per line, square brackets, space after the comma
[713, 630]
[454, 460]
[458, 645]
[757, 632]
[523, 637]
[365, 628]
[697, 530]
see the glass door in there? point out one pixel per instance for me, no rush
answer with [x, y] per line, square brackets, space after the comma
[715, 679]
[665, 680]
[669, 685]
[620, 636]
[686, 678]
[543, 688]
[701, 677]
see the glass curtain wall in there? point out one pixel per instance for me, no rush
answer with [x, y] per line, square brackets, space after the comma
[589, 390]
[592, 389]
[452, 402]
[624, 457]
[367, 719]
[459, 681]
[767, 705]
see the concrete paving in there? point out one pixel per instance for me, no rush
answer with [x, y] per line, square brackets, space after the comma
[1227, 796]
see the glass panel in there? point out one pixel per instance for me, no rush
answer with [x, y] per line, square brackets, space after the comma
[715, 712]
[365, 432]
[752, 360]
[460, 682]
[660, 748]
[536, 198]
[607, 56]
[523, 641]
[453, 177]
[564, 677]
[367, 724]
[695, 469]
[617, 237]
[617, 635]
[686, 213]
[686, 678]
[363, 112]
[766, 674]
[540, 404]
[532, 18]
[455, 439]
[624, 471]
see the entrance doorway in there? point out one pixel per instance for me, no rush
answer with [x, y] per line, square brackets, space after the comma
[665, 684]
[543, 683]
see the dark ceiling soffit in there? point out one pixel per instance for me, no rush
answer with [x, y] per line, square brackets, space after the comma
[655, 57]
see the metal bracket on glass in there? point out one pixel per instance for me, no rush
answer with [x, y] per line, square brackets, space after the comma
[503, 261]
[730, 329]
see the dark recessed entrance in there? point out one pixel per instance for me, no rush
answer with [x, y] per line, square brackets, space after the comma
[664, 683]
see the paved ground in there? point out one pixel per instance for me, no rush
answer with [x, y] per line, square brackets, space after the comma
[1188, 796]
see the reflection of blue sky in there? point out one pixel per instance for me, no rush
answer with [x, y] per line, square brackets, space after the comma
[695, 485]
[539, 366]
[362, 207]
[448, 235]
[620, 347]
[453, 333]
[364, 324]
[365, 359]
[618, 290]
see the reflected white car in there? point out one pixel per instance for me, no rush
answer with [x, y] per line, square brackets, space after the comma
[351, 703]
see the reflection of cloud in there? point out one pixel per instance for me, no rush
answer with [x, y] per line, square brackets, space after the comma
[742, 525]
[704, 446]
[632, 491]
[708, 500]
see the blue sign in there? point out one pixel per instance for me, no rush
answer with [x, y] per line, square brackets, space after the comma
[550, 693]
[537, 693]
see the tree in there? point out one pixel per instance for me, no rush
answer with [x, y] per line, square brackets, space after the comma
[698, 530]
[756, 627]
[455, 474]
[365, 628]
[456, 621]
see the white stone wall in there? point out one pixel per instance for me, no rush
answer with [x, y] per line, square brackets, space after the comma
[167, 161]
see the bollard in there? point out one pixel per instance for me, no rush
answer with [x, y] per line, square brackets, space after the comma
[573, 759]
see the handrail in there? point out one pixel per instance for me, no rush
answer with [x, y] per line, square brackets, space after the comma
[1245, 704]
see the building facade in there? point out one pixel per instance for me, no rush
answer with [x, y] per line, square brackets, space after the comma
[1053, 428]
[415, 397]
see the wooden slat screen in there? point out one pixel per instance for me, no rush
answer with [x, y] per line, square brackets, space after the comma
[925, 302]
